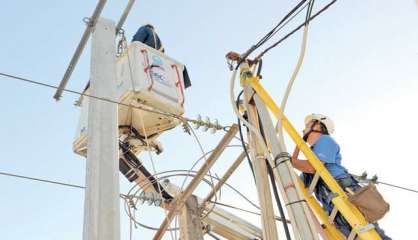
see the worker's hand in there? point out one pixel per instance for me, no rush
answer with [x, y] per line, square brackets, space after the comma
[295, 154]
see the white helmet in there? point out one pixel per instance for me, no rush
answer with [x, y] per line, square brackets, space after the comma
[329, 124]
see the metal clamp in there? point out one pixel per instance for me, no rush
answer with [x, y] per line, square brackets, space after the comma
[281, 158]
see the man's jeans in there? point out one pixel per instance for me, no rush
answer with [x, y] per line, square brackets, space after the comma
[324, 195]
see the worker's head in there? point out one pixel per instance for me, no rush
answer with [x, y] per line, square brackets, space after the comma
[317, 124]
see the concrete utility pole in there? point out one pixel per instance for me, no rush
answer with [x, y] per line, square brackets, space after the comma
[101, 206]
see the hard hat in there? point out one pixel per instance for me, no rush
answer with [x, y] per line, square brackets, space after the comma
[329, 124]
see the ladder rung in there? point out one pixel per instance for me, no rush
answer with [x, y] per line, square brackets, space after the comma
[333, 214]
[365, 228]
[359, 229]
[313, 183]
[352, 235]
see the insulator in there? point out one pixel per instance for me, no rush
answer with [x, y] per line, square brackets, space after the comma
[205, 128]
[207, 121]
[142, 198]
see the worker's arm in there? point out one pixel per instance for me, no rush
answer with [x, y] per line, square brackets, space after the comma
[301, 165]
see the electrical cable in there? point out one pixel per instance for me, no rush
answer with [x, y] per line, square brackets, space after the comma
[274, 186]
[142, 107]
[294, 30]
[226, 184]
[242, 138]
[270, 34]
[278, 127]
[213, 236]
[137, 106]
[278, 202]
[42, 180]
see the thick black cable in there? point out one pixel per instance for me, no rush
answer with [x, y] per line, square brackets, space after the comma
[242, 137]
[278, 202]
[309, 12]
[213, 236]
[273, 31]
[274, 186]
[128, 154]
[295, 30]
[270, 34]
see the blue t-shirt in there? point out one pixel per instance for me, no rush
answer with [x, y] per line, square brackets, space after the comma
[328, 151]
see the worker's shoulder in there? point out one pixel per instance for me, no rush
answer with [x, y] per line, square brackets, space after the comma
[143, 29]
[327, 139]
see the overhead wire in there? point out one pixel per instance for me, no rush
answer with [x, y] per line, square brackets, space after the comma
[271, 33]
[142, 107]
[43, 180]
[139, 106]
[260, 55]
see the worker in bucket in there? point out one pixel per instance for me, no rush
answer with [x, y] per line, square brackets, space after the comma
[317, 134]
[147, 35]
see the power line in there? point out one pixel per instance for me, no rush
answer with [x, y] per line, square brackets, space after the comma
[397, 186]
[95, 97]
[83, 187]
[42, 180]
[273, 31]
[185, 120]
[294, 30]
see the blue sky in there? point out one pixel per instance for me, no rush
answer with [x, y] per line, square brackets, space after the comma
[360, 69]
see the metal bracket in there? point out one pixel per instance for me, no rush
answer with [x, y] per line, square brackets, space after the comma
[281, 158]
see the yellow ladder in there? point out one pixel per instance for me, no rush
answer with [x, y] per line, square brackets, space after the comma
[360, 227]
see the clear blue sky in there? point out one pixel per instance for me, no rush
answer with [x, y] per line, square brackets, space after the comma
[360, 68]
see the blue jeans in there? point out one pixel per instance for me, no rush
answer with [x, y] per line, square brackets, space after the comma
[324, 195]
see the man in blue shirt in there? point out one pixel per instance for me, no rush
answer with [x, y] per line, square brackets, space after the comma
[317, 134]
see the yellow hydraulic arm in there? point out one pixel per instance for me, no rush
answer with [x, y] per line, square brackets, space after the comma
[360, 226]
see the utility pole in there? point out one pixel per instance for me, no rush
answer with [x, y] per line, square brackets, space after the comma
[258, 156]
[302, 223]
[190, 223]
[101, 205]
